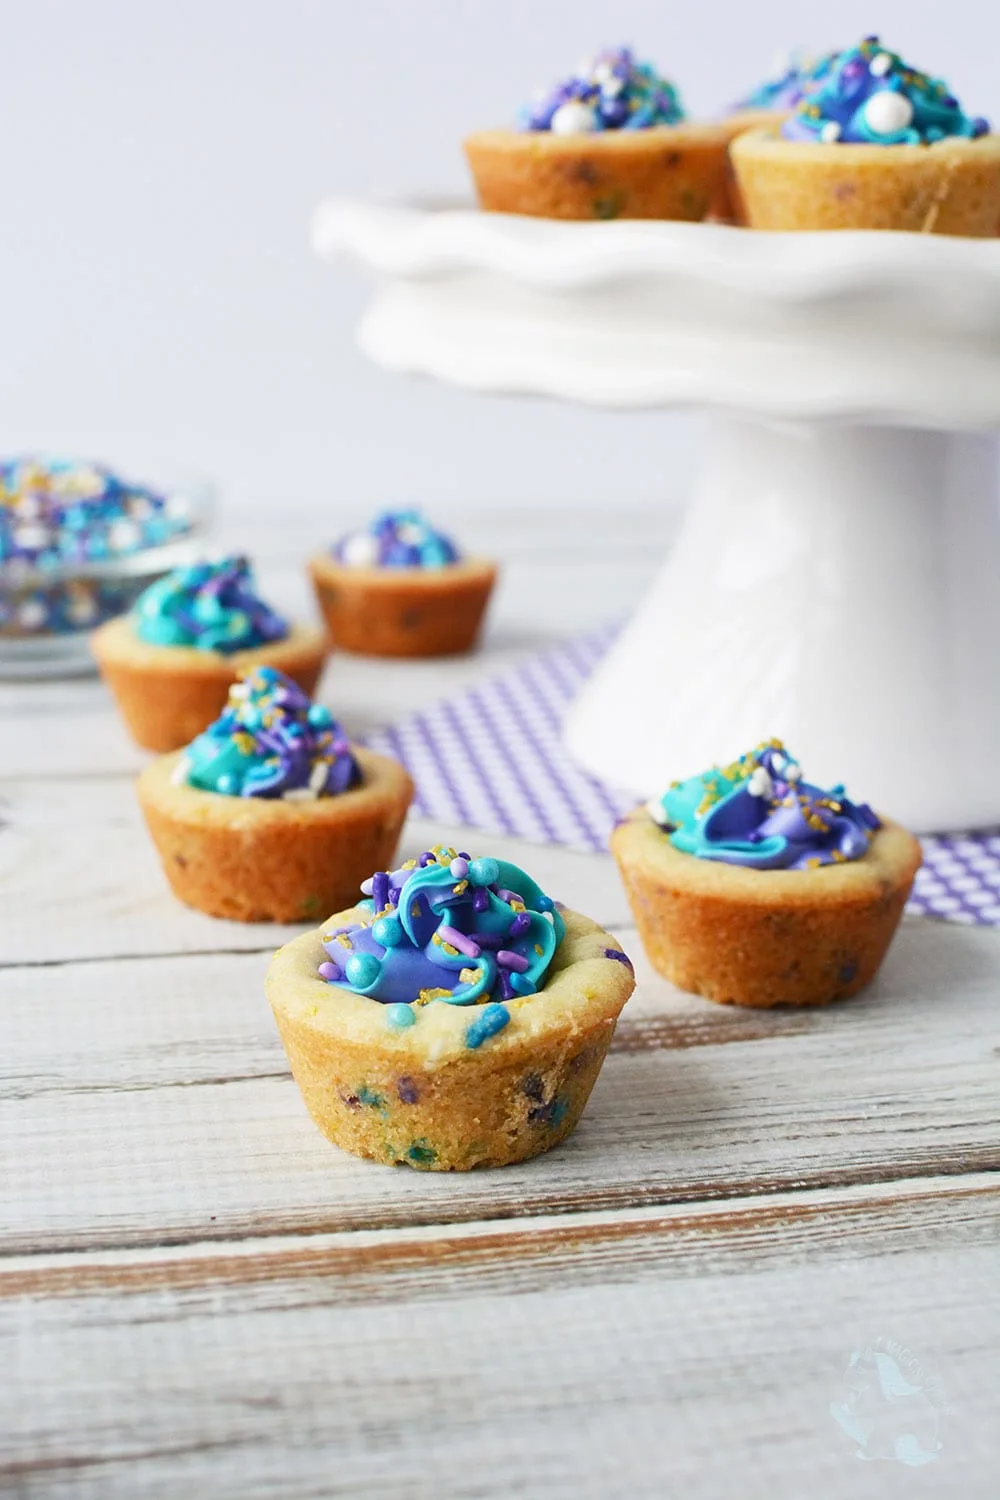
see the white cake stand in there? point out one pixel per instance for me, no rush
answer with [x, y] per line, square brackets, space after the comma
[837, 579]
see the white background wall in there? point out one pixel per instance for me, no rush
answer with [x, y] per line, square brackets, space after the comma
[159, 163]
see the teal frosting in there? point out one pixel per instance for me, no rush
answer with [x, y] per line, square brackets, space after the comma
[212, 606]
[870, 96]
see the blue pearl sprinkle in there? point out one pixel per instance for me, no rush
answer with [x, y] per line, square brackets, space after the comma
[399, 1017]
[388, 932]
[362, 970]
[484, 872]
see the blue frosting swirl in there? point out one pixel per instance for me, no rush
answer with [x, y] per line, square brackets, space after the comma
[612, 92]
[447, 927]
[397, 539]
[798, 75]
[870, 96]
[212, 606]
[759, 812]
[270, 740]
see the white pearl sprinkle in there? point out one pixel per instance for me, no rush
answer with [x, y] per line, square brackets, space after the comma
[360, 550]
[880, 65]
[830, 131]
[793, 771]
[760, 783]
[573, 118]
[32, 614]
[888, 112]
[411, 534]
[31, 537]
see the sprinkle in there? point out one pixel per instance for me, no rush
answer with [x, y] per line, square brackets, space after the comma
[618, 956]
[507, 959]
[380, 890]
[426, 996]
[458, 941]
[490, 1020]
[330, 972]
[399, 1017]
[520, 924]
[468, 976]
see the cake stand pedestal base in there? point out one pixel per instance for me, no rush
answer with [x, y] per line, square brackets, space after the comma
[837, 586]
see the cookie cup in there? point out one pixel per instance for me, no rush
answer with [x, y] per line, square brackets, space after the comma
[764, 937]
[665, 172]
[169, 694]
[951, 187]
[256, 859]
[422, 1097]
[403, 611]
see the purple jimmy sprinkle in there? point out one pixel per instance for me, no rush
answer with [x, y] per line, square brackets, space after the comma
[506, 895]
[427, 858]
[459, 940]
[480, 899]
[619, 956]
[510, 960]
[507, 990]
[520, 924]
[489, 940]
[380, 890]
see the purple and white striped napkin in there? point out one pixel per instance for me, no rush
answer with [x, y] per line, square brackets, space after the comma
[491, 757]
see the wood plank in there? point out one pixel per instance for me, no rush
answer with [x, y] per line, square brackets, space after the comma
[647, 1355]
[146, 1101]
[80, 879]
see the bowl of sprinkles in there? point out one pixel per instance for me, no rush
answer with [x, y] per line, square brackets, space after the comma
[79, 542]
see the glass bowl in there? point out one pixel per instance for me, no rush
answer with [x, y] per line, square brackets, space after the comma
[47, 612]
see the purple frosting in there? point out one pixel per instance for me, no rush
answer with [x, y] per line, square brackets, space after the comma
[271, 740]
[760, 813]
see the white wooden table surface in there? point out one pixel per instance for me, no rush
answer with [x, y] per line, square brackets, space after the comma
[200, 1297]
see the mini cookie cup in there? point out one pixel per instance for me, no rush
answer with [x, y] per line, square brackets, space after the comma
[423, 1097]
[412, 612]
[663, 172]
[950, 187]
[764, 937]
[168, 694]
[259, 859]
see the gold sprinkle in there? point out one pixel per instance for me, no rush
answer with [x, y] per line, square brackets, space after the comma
[539, 949]
[426, 996]
[461, 888]
[468, 976]
[343, 940]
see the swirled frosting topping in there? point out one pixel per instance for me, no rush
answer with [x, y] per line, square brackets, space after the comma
[760, 813]
[870, 96]
[611, 92]
[451, 928]
[60, 512]
[213, 606]
[794, 78]
[397, 539]
[270, 740]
